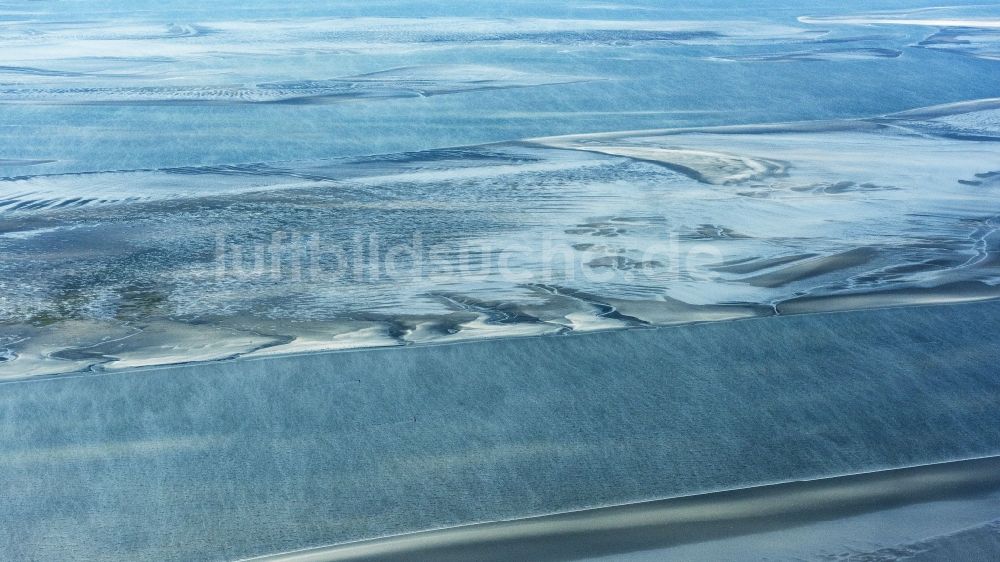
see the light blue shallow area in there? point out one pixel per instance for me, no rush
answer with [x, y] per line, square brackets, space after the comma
[637, 84]
[250, 457]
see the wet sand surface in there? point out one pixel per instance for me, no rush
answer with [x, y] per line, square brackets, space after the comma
[704, 520]
[119, 269]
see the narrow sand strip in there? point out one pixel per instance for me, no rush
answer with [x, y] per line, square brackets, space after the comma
[675, 521]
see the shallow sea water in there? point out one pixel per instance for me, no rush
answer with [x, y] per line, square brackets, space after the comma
[188, 183]
[195, 194]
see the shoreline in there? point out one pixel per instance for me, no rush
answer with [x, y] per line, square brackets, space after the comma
[96, 371]
[668, 522]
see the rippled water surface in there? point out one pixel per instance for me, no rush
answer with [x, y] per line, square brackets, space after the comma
[204, 181]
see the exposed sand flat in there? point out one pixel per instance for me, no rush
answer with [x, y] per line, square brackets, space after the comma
[16, 162]
[330, 340]
[71, 346]
[656, 227]
[666, 311]
[481, 327]
[910, 296]
[956, 32]
[751, 129]
[885, 20]
[849, 54]
[660, 524]
[391, 83]
[37, 344]
[819, 126]
[752, 265]
[706, 166]
[947, 109]
[813, 267]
